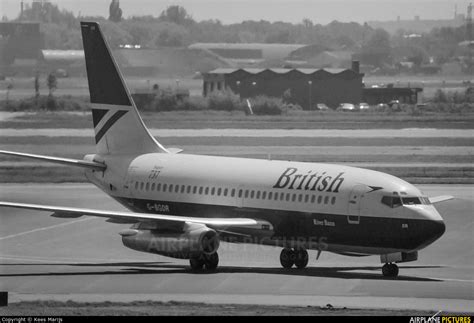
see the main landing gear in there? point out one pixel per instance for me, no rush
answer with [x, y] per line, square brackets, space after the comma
[390, 270]
[298, 257]
[204, 261]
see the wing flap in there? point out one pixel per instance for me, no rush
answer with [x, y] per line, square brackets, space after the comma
[132, 216]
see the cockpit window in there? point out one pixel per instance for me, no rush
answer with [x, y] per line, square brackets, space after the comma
[395, 201]
[411, 200]
[425, 200]
[392, 201]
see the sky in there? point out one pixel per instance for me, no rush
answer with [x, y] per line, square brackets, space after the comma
[294, 11]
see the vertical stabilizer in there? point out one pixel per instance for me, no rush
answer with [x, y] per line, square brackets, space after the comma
[118, 127]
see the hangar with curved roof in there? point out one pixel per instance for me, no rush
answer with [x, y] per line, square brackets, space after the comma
[306, 87]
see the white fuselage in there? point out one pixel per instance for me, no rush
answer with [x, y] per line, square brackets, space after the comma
[301, 200]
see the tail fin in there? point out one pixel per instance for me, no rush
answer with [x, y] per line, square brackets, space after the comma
[118, 127]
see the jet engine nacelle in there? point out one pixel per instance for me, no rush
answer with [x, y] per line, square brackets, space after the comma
[193, 240]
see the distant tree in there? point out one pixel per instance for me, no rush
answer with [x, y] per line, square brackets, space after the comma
[170, 34]
[177, 15]
[115, 13]
[307, 23]
[52, 83]
[377, 50]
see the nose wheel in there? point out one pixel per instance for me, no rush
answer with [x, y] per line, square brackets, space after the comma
[390, 270]
[298, 257]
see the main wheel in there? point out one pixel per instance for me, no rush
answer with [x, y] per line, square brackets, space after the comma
[196, 262]
[390, 270]
[287, 258]
[211, 261]
[301, 258]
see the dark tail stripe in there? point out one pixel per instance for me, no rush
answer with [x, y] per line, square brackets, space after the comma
[97, 115]
[109, 124]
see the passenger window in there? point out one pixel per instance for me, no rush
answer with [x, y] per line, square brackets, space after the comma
[200, 190]
[326, 200]
[252, 194]
[240, 193]
[300, 197]
[213, 191]
[313, 198]
[176, 189]
[147, 186]
[158, 187]
[288, 196]
[270, 195]
[142, 185]
[282, 196]
[219, 191]
[152, 187]
[188, 190]
[264, 195]
[170, 188]
[246, 193]
[206, 191]
[257, 195]
[293, 198]
[306, 198]
[333, 200]
[194, 189]
[320, 199]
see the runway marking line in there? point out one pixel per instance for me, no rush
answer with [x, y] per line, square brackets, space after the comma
[43, 229]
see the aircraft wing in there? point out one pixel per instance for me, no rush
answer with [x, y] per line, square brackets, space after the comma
[438, 199]
[127, 217]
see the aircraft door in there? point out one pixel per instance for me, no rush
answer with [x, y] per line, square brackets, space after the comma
[129, 186]
[355, 204]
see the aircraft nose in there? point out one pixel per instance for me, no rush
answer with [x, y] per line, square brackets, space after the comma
[438, 228]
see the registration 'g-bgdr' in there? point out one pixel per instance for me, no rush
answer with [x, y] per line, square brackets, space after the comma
[183, 205]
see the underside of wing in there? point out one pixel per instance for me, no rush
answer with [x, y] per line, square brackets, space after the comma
[130, 217]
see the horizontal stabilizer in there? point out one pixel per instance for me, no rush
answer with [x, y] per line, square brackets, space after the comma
[57, 160]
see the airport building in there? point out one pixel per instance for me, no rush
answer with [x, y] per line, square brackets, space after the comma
[406, 95]
[303, 86]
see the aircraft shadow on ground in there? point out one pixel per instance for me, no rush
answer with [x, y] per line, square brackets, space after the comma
[157, 268]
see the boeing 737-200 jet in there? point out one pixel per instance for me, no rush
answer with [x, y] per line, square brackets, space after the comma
[183, 205]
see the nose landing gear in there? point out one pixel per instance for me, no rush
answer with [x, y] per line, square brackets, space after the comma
[390, 270]
[298, 257]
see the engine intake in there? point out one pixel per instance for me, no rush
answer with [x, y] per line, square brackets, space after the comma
[193, 240]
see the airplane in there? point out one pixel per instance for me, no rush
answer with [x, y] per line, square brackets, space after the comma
[182, 205]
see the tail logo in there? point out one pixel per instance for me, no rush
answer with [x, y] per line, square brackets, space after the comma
[104, 119]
